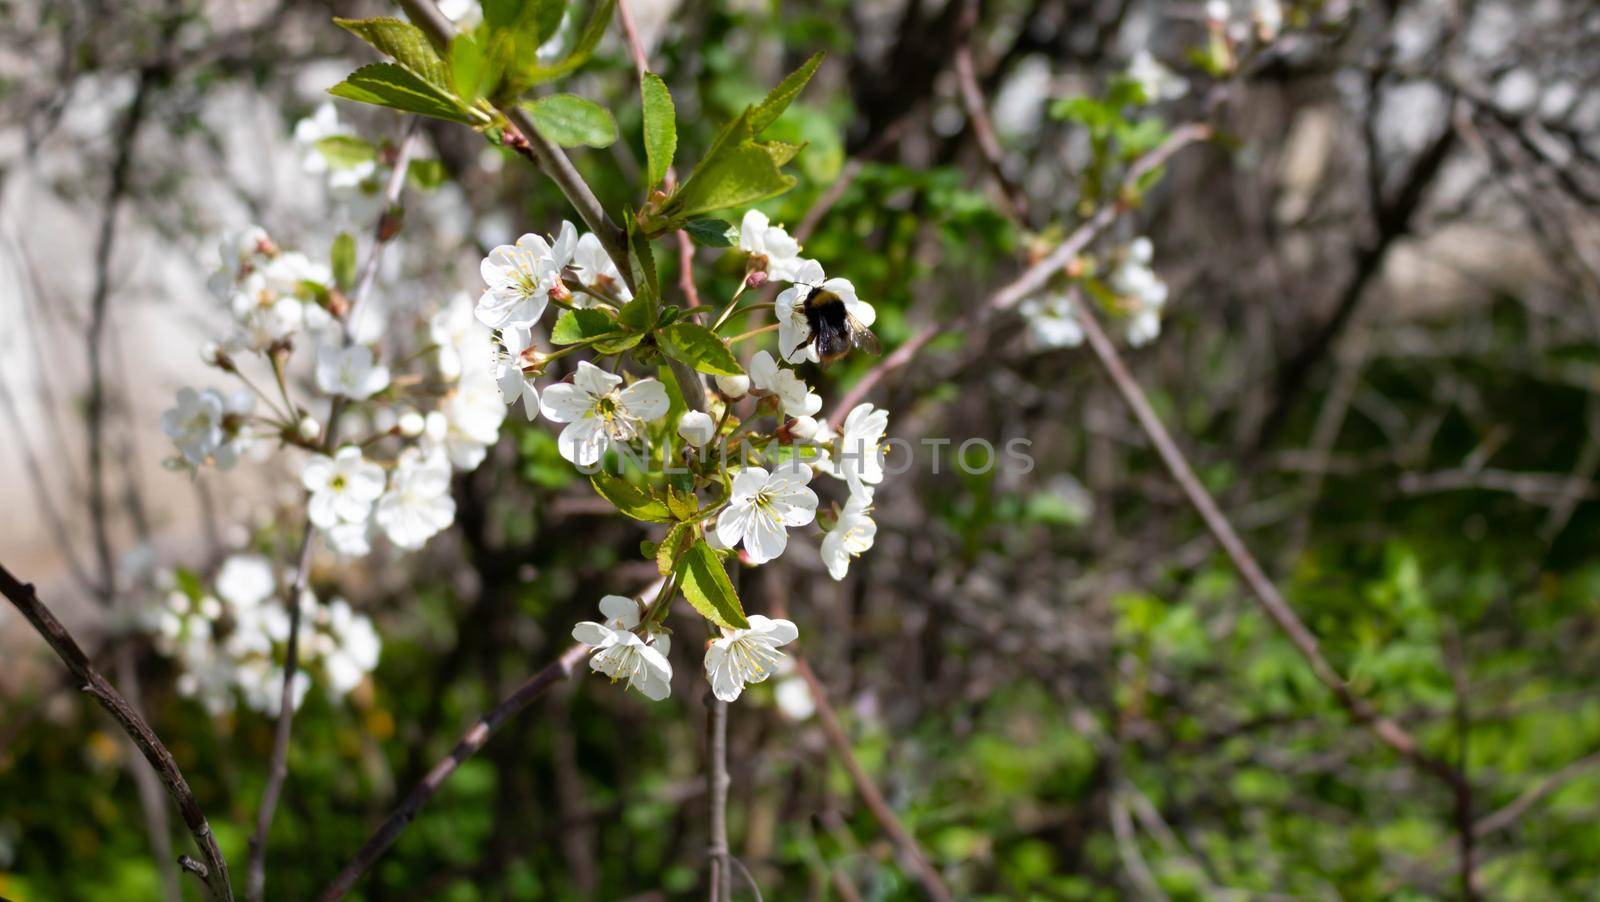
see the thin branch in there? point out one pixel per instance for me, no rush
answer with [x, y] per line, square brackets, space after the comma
[469, 744]
[717, 753]
[1265, 591]
[978, 115]
[921, 868]
[1030, 282]
[99, 298]
[23, 597]
[1533, 795]
[548, 157]
[278, 768]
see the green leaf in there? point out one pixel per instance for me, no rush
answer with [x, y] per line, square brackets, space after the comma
[346, 151]
[738, 177]
[532, 72]
[539, 19]
[344, 261]
[706, 585]
[637, 315]
[630, 499]
[425, 174]
[470, 71]
[573, 326]
[623, 342]
[660, 127]
[682, 505]
[671, 549]
[700, 348]
[712, 232]
[571, 121]
[404, 43]
[388, 85]
[768, 110]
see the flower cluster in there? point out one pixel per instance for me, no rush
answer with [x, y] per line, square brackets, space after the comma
[228, 640]
[1133, 292]
[400, 445]
[744, 465]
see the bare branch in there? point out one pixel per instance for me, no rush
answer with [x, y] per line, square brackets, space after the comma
[67, 649]
[469, 744]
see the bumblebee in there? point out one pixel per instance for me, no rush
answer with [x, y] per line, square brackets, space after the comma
[833, 331]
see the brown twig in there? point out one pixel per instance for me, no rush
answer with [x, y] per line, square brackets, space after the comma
[469, 744]
[921, 868]
[22, 595]
[717, 755]
[547, 156]
[978, 115]
[1505, 817]
[1265, 591]
[1030, 282]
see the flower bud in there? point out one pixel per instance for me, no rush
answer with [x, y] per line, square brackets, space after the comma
[803, 428]
[560, 293]
[733, 386]
[309, 429]
[411, 423]
[696, 428]
[756, 279]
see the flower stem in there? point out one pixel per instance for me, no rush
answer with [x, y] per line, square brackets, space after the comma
[770, 327]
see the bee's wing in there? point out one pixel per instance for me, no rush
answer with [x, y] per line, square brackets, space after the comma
[862, 337]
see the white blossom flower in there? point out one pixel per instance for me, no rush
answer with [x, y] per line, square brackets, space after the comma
[240, 250]
[619, 653]
[804, 428]
[860, 459]
[286, 274]
[459, 335]
[263, 316]
[746, 656]
[1159, 82]
[508, 372]
[195, 424]
[733, 386]
[350, 539]
[1051, 321]
[851, 536]
[772, 251]
[762, 507]
[206, 425]
[794, 332]
[352, 649]
[350, 372]
[794, 697]
[597, 412]
[342, 487]
[418, 504]
[521, 276]
[766, 376]
[696, 427]
[322, 123]
[598, 272]
[246, 580]
[1268, 15]
[1144, 291]
[468, 421]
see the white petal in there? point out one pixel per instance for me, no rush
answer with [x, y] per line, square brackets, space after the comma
[620, 609]
[645, 399]
[584, 441]
[593, 380]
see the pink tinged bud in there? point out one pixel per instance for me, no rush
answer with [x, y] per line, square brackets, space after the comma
[756, 279]
[560, 292]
